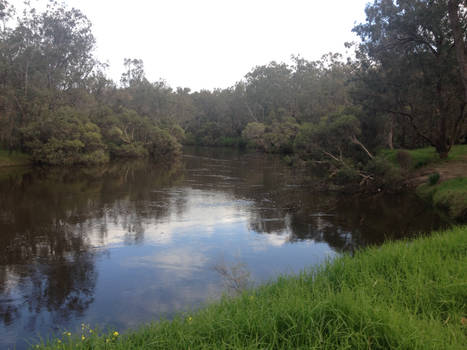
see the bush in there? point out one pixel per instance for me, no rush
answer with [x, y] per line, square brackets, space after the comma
[253, 134]
[433, 179]
[386, 172]
[163, 145]
[65, 137]
[346, 175]
[130, 150]
[177, 132]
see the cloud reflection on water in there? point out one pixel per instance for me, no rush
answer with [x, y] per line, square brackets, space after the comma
[128, 243]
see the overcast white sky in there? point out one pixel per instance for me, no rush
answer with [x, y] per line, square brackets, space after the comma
[214, 43]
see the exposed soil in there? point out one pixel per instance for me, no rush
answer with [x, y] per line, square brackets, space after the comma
[446, 170]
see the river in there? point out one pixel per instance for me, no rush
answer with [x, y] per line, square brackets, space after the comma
[128, 243]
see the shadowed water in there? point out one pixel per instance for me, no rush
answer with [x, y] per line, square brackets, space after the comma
[127, 243]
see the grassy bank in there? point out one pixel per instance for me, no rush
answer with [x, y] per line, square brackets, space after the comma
[13, 159]
[425, 156]
[449, 195]
[403, 295]
[440, 182]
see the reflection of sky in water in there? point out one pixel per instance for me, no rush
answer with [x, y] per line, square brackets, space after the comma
[174, 269]
[132, 245]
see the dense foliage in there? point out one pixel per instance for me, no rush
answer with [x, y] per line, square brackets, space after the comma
[57, 104]
[406, 88]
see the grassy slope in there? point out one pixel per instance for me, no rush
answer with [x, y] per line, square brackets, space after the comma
[14, 159]
[425, 156]
[403, 295]
[450, 194]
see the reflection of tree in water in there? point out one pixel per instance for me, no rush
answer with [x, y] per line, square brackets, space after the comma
[51, 271]
[52, 220]
[285, 202]
[64, 287]
[47, 258]
[345, 223]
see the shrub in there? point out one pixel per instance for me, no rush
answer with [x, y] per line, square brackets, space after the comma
[385, 171]
[346, 175]
[433, 179]
[177, 132]
[162, 145]
[128, 150]
[65, 137]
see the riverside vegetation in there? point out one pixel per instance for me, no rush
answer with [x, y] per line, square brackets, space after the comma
[405, 88]
[402, 295]
[444, 183]
[450, 195]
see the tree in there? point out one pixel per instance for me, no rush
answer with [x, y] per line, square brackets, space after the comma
[46, 60]
[409, 46]
[134, 72]
[457, 20]
[268, 91]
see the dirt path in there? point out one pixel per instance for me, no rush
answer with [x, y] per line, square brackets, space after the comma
[447, 170]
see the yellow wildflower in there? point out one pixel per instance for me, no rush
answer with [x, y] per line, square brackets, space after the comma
[68, 334]
[107, 340]
[190, 319]
[116, 334]
[83, 337]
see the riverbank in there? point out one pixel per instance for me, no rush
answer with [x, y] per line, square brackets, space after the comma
[442, 183]
[449, 195]
[402, 295]
[13, 159]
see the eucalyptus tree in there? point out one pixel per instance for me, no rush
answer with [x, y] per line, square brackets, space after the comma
[268, 92]
[319, 87]
[134, 72]
[46, 61]
[457, 18]
[408, 46]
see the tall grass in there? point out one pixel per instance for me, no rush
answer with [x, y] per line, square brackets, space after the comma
[402, 295]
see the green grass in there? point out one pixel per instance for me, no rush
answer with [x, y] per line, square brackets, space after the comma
[14, 159]
[424, 156]
[450, 195]
[403, 295]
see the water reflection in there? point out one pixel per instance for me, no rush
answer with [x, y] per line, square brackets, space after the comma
[131, 242]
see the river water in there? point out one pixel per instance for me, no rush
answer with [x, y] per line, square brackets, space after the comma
[128, 243]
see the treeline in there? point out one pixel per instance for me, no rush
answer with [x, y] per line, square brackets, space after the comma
[56, 103]
[405, 88]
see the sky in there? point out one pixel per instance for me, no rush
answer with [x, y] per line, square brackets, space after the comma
[206, 44]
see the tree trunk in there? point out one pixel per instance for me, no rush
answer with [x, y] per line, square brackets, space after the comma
[362, 146]
[460, 45]
[391, 133]
[442, 150]
[461, 54]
